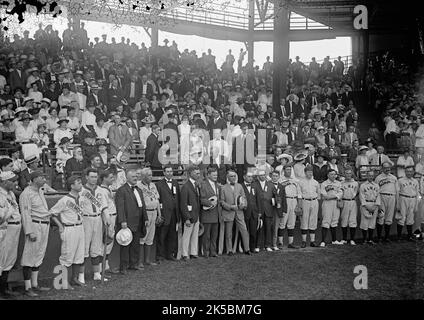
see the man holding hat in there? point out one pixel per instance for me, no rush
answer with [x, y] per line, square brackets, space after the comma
[36, 225]
[349, 213]
[68, 215]
[370, 201]
[10, 219]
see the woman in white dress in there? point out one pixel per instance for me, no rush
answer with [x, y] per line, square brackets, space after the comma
[24, 133]
[63, 154]
[51, 122]
[405, 160]
[184, 130]
[41, 138]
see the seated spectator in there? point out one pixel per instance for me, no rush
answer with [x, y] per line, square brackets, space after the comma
[62, 131]
[63, 154]
[75, 163]
[41, 138]
[51, 122]
[102, 151]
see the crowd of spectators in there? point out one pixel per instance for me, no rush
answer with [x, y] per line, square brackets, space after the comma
[106, 98]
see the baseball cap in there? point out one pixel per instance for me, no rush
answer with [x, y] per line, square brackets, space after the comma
[35, 174]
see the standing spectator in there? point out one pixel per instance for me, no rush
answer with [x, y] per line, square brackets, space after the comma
[405, 160]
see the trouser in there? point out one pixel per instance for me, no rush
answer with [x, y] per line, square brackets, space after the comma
[129, 254]
[150, 229]
[330, 214]
[168, 238]
[93, 236]
[109, 247]
[209, 238]
[407, 208]
[190, 239]
[309, 218]
[349, 214]
[34, 251]
[388, 205]
[278, 228]
[9, 247]
[268, 231]
[72, 248]
[252, 225]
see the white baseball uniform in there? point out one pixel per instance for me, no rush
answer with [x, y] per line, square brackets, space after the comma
[350, 208]
[310, 191]
[388, 194]
[369, 196]
[330, 211]
[106, 197]
[408, 198]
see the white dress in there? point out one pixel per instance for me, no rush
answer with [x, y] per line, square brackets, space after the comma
[184, 130]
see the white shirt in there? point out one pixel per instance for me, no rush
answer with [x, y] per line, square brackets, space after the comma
[137, 196]
[59, 134]
[102, 132]
[88, 119]
[24, 134]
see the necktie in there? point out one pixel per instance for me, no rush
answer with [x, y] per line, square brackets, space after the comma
[379, 159]
[133, 188]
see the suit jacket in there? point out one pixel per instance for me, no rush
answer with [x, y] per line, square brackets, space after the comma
[287, 108]
[117, 139]
[206, 191]
[266, 195]
[152, 151]
[114, 98]
[229, 198]
[137, 90]
[148, 91]
[374, 159]
[17, 81]
[254, 205]
[347, 138]
[128, 211]
[189, 197]
[24, 179]
[169, 200]
[220, 124]
[72, 165]
[339, 137]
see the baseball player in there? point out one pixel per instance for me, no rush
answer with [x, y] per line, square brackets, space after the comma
[280, 212]
[36, 224]
[369, 198]
[93, 225]
[388, 194]
[68, 215]
[293, 193]
[349, 213]
[331, 191]
[10, 229]
[407, 202]
[106, 197]
[310, 192]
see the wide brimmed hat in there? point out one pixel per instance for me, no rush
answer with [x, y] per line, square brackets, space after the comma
[46, 100]
[64, 140]
[285, 156]
[26, 116]
[148, 120]
[30, 159]
[62, 120]
[8, 175]
[124, 237]
[362, 148]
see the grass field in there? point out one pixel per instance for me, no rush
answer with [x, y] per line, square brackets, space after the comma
[395, 271]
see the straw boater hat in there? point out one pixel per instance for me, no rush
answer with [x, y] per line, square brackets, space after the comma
[8, 176]
[285, 156]
[302, 155]
[148, 119]
[62, 120]
[362, 148]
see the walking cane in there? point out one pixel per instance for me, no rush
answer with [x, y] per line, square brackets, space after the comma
[104, 252]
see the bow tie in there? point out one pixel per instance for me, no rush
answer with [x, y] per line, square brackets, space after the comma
[275, 183]
[232, 184]
[247, 184]
[168, 181]
[133, 187]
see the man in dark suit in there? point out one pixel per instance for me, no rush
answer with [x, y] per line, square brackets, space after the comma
[17, 78]
[210, 211]
[302, 107]
[146, 88]
[169, 197]
[253, 210]
[132, 90]
[131, 213]
[115, 96]
[216, 122]
[268, 198]
[190, 208]
[290, 106]
[152, 148]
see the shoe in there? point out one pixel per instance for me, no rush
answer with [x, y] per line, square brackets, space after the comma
[280, 245]
[322, 244]
[171, 258]
[184, 258]
[275, 248]
[269, 249]
[411, 239]
[150, 264]
[30, 293]
[292, 246]
[257, 250]
[247, 253]
[135, 268]
[370, 242]
[313, 245]
[41, 289]
[343, 242]
[352, 243]
[193, 256]
[336, 242]
[76, 282]
[112, 271]
[230, 253]
[303, 244]
[123, 272]
[214, 255]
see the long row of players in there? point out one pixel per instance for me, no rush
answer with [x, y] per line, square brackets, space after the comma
[261, 211]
